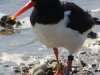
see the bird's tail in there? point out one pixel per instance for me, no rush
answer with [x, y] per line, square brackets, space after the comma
[97, 20]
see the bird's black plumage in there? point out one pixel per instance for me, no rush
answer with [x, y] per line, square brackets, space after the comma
[47, 12]
[79, 19]
[52, 11]
[59, 24]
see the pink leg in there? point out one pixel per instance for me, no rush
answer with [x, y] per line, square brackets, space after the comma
[56, 54]
[69, 64]
[59, 73]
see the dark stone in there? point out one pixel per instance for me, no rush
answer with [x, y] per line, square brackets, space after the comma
[92, 35]
[25, 69]
[97, 70]
[49, 71]
[83, 63]
[83, 53]
[6, 66]
[75, 71]
[16, 69]
[93, 65]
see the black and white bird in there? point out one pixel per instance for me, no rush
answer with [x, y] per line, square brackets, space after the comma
[58, 24]
[61, 24]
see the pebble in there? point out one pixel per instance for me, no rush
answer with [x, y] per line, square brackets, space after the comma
[39, 72]
[75, 72]
[92, 35]
[5, 65]
[82, 53]
[16, 70]
[93, 65]
[97, 70]
[49, 71]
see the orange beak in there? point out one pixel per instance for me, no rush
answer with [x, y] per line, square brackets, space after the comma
[23, 9]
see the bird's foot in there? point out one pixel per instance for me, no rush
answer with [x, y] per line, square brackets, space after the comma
[66, 73]
[68, 68]
[59, 69]
[59, 73]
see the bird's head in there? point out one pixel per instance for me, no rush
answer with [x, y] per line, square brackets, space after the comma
[45, 3]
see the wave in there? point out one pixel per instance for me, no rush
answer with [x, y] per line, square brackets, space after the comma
[25, 23]
[95, 10]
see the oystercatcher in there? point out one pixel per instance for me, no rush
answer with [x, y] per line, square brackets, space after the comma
[61, 24]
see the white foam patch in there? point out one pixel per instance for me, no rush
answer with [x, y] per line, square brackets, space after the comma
[95, 10]
[25, 23]
[2, 14]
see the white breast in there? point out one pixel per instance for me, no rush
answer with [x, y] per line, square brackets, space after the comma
[57, 35]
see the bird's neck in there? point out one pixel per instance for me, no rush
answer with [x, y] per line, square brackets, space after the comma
[49, 14]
